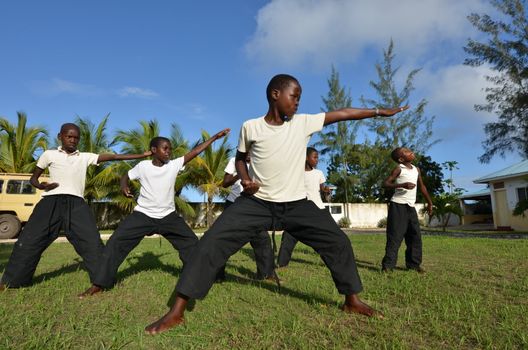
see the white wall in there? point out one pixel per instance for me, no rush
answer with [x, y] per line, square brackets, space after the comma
[367, 215]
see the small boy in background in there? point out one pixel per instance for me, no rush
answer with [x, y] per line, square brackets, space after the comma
[62, 207]
[314, 180]
[402, 219]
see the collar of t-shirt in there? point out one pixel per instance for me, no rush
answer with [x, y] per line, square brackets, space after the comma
[68, 154]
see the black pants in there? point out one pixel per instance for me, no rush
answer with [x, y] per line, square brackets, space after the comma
[248, 216]
[288, 243]
[51, 214]
[402, 222]
[131, 231]
[263, 254]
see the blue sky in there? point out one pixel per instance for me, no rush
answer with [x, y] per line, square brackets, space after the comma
[205, 64]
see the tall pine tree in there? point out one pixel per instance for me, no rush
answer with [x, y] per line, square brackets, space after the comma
[506, 52]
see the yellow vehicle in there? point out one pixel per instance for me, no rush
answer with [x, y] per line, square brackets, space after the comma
[17, 200]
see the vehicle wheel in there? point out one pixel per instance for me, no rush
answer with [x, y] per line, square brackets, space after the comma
[9, 226]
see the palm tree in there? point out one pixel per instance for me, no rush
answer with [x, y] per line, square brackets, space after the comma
[138, 141]
[207, 173]
[20, 144]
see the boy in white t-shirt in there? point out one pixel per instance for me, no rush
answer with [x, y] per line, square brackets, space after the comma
[314, 180]
[274, 198]
[155, 211]
[402, 219]
[62, 207]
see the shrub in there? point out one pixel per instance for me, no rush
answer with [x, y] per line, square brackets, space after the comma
[344, 222]
[382, 223]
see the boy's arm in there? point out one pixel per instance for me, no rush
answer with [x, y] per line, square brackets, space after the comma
[104, 157]
[199, 149]
[390, 182]
[360, 113]
[124, 185]
[41, 185]
[423, 189]
[229, 179]
[250, 187]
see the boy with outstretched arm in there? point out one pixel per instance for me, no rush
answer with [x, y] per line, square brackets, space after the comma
[62, 207]
[154, 213]
[402, 219]
[274, 198]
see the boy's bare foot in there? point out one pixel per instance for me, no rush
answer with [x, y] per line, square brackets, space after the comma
[164, 324]
[90, 291]
[354, 305]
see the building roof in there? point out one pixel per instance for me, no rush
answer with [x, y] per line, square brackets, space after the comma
[515, 170]
[483, 193]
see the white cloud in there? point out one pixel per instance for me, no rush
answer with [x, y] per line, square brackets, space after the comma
[457, 89]
[57, 86]
[132, 91]
[321, 32]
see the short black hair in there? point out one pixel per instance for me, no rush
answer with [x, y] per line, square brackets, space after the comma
[67, 126]
[310, 150]
[395, 154]
[157, 140]
[279, 82]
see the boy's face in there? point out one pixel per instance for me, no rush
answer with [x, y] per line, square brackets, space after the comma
[288, 99]
[69, 139]
[312, 159]
[406, 155]
[162, 151]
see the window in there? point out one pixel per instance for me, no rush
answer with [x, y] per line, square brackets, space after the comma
[1, 185]
[335, 209]
[498, 185]
[522, 194]
[20, 187]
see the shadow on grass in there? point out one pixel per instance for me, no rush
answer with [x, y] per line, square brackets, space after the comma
[271, 286]
[78, 265]
[145, 262]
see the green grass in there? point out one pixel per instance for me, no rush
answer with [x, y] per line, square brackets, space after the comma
[474, 295]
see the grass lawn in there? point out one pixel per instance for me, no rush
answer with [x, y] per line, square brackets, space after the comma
[474, 295]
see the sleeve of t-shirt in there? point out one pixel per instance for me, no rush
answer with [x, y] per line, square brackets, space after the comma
[322, 178]
[243, 139]
[134, 173]
[92, 158]
[314, 123]
[43, 161]
[230, 167]
[177, 164]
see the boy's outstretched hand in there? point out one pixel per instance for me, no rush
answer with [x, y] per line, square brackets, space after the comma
[389, 112]
[147, 153]
[222, 133]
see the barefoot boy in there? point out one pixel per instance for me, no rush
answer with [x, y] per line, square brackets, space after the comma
[154, 213]
[274, 198]
[62, 207]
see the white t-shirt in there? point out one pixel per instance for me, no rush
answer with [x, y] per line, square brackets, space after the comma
[156, 196]
[236, 188]
[312, 182]
[278, 154]
[402, 195]
[67, 169]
